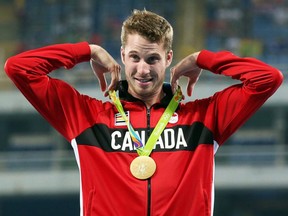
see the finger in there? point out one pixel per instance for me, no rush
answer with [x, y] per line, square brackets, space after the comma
[173, 79]
[98, 71]
[190, 86]
[102, 81]
[101, 76]
[193, 80]
[115, 77]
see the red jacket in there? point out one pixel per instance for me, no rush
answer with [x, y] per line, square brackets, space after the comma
[184, 154]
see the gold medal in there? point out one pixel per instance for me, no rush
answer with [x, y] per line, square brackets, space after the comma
[143, 167]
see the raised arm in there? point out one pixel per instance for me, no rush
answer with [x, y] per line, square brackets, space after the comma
[59, 103]
[230, 108]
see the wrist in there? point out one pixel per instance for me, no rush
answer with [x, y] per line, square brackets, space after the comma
[94, 49]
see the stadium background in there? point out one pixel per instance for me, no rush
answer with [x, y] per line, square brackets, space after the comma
[38, 173]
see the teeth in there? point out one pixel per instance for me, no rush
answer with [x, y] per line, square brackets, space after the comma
[144, 80]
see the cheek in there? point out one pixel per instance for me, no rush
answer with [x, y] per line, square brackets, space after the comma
[161, 70]
[130, 67]
[129, 70]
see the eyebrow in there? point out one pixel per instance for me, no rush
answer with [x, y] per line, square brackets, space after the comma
[151, 54]
[133, 52]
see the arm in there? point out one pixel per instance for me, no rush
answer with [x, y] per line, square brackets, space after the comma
[57, 101]
[231, 107]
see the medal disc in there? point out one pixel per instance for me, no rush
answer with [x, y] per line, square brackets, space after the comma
[143, 167]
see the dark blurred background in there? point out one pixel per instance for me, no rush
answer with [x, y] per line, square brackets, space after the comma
[38, 173]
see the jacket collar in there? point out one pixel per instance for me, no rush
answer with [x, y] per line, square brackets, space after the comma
[124, 95]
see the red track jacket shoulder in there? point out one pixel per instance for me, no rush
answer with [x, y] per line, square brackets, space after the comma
[184, 154]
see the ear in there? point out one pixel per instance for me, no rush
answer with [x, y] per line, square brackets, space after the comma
[122, 51]
[169, 58]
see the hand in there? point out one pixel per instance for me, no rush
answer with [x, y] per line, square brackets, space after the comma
[102, 62]
[186, 67]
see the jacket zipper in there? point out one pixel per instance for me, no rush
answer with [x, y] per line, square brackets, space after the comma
[149, 197]
[149, 180]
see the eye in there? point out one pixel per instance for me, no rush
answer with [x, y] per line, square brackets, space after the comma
[134, 57]
[153, 59]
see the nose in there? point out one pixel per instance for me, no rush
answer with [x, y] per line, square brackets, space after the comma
[143, 67]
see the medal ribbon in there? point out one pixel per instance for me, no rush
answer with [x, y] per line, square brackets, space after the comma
[163, 121]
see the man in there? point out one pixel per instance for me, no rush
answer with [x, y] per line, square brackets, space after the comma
[105, 142]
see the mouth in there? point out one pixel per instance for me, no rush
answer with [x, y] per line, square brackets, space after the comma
[144, 80]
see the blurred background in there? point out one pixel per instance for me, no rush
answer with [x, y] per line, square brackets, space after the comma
[38, 173]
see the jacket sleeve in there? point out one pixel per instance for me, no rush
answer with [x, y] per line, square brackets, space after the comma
[234, 105]
[58, 102]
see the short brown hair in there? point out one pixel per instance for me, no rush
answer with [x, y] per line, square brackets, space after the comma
[149, 25]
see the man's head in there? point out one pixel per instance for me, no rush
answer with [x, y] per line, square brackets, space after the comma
[146, 53]
[149, 25]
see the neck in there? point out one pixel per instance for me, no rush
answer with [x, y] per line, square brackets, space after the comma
[149, 100]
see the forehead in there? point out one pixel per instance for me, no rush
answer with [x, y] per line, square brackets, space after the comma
[137, 43]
